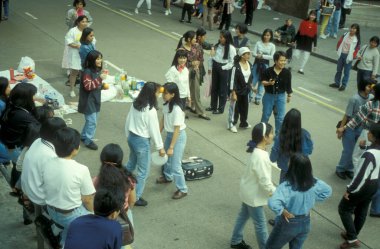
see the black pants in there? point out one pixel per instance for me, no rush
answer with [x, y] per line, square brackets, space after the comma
[241, 108]
[219, 86]
[248, 12]
[358, 205]
[226, 19]
[183, 103]
[342, 20]
[189, 9]
[15, 176]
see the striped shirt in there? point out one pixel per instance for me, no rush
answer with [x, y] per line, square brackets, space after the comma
[367, 114]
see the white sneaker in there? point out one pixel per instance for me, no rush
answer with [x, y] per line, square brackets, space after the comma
[247, 127]
[136, 10]
[149, 12]
[72, 94]
[170, 12]
[233, 129]
[335, 36]
[166, 12]
[323, 36]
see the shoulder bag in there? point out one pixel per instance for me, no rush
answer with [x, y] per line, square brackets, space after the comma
[126, 227]
[355, 66]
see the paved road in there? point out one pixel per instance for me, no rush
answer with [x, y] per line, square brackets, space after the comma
[144, 46]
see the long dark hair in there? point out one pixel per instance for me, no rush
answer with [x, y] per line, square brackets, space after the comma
[291, 133]
[357, 27]
[22, 96]
[172, 88]
[267, 31]
[188, 35]
[112, 175]
[90, 61]
[227, 35]
[86, 32]
[374, 129]
[147, 97]
[258, 134]
[300, 173]
[4, 83]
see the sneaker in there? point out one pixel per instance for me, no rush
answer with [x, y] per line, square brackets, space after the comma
[72, 94]
[246, 127]
[342, 88]
[141, 202]
[181, 20]
[149, 12]
[241, 245]
[178, 195]
[136, 10]
[333, 85]
[341, 175]
[301, 71]
[323, 36]
[335, 36]
[233, 129]
[166, 12]
[4, 18]
[257, 102]
[92, 146]
[349, 174]
[346, 244]
[189, 21]
[170, 12]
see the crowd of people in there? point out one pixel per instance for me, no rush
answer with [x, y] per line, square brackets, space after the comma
[86, 209]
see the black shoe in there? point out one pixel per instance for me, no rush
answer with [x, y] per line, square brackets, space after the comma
[341, 175]
[203, 117]
[217, 112]
[92, 146]
[375, 215]
[189, 21]
[333, 85]
[257, 102]
[271, 222]
[241, 245]
[342, 88]
[141, 202]
[27, 222]
[209, 109]
[349, 174]
[300, 72]
[182, 20]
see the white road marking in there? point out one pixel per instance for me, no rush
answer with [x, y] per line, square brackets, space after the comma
[126, 12]
[366, 4]
[113, 65]
[103, 2]
[174, 33]
[151, 23]
[28, 14]
[315, 94]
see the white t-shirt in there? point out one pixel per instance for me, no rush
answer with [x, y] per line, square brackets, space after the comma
[246, 73]
[174, 118]
[181, 79]
[65, 182]
[33, 168]
[144, 124]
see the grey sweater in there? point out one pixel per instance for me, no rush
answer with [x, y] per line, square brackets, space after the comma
[370, 59]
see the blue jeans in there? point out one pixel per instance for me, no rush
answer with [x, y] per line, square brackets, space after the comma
[89, 128]
[363, 75]
[333, 25]
[269, 101]
[65, 219]
[6, 8]
[350, 136]
[293, 232]
[139, 158]
[173, 167]
[4, 155]
[375, 206]
[344, 67]
[257, 80]
[259, 221]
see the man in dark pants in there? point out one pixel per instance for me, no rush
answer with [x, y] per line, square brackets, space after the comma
[346, 10]
[250, 6]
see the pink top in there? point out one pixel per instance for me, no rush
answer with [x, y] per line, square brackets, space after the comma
[347, 44]
[80, 12]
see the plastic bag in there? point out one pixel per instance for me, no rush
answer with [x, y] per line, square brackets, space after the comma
[26, 61]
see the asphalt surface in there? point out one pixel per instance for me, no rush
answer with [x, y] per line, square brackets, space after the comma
[144, 46]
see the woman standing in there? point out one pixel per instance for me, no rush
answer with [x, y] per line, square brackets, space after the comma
[325, 17]
[89, 96]
[241, 81]
[71, 58]
[174, 123]
[292, 139]
[347, 49]
[227, 9]
[360, 191]
[187, 8]
[221, 64]
[142, 125]
[87, 44]
[5, 90]
[292, 202]
[148, 5]
[263, 53]
[369, 60]
[255, 187]
[306, 39]
[77, 11]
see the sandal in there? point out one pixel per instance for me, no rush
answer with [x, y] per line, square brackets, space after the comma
[15, 192]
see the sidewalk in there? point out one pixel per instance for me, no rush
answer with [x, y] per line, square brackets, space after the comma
[263, 19]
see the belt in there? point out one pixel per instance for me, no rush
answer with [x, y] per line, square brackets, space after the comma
[62, 211]
[219, 64]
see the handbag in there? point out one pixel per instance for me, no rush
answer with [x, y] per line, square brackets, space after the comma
[327, 10]
[355, 66]
[126, 227]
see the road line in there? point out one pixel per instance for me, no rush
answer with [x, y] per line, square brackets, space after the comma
[28, 14]
[315, 94]
[103, 2]
[174, 33]
[367, 4]
[151, 23]
[135, 20]
[319, 102]
[126, 12]
[112, 65]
